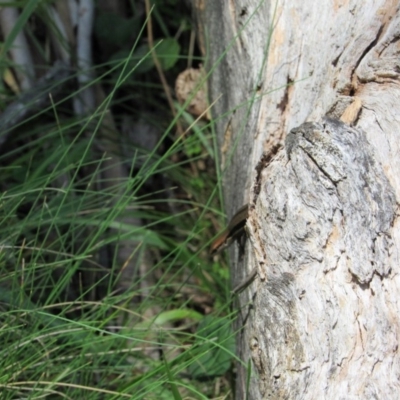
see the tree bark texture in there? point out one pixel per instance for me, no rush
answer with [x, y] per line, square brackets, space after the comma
[322, 320]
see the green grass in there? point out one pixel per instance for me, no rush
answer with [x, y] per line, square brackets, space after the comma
[107, 290]
[74, 324]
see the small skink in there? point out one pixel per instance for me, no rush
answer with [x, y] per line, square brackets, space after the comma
[234, 229]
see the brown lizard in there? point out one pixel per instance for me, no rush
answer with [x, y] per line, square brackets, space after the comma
[232, 232]
[234, 229]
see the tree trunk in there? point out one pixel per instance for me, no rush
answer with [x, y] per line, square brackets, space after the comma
[322, 319]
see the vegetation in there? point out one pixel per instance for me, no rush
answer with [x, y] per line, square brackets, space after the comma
[109, 202]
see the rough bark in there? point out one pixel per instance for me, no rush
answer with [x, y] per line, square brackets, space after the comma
[326, 314]
[322, 319]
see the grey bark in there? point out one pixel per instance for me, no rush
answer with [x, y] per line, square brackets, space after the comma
[321, 234]
[322, 318]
